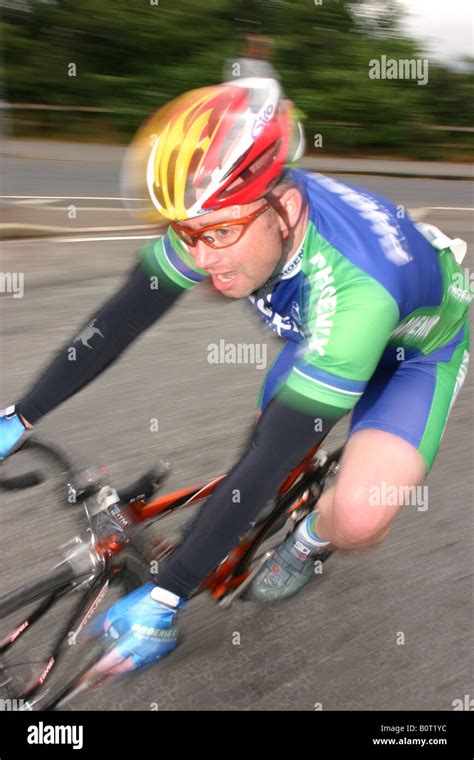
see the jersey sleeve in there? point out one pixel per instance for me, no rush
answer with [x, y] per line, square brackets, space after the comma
[167, 256]
[349, 318]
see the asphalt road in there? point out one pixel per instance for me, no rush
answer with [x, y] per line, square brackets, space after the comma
[337, 644]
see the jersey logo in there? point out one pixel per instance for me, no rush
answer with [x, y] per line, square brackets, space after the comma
[284, 326]
[321, 324]
[292, 267]
[295, 311]
[87, 333]
[460, 377]
[381, 221]
[416, 327]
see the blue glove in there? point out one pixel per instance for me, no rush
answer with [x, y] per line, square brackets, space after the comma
[12, 431]
[143, 625]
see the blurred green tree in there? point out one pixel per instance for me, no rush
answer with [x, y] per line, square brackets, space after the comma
[131, 57]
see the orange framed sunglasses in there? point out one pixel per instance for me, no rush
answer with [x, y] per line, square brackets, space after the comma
[219, 235]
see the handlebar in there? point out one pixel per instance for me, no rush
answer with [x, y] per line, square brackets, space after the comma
[85, 482]
[34, 478]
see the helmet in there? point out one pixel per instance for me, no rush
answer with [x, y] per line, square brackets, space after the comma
[211, 148]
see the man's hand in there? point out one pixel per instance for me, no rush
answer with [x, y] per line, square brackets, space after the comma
[143, 627]
[12, 431]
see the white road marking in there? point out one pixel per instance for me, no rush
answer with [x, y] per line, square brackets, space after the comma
[51, 206]
[443, 208]
[72, 239]
[49, 198]
[74, 197]
[417, 213]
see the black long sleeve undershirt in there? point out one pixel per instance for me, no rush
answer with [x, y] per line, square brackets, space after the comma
[104, 336]
[282, 438]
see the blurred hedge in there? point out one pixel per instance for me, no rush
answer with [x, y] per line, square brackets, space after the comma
[131, 56]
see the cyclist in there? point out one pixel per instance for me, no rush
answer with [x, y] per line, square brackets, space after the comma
[255, 60]
[372, 316]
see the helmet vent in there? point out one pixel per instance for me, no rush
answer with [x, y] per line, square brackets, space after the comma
[249, 174]
[233, 136]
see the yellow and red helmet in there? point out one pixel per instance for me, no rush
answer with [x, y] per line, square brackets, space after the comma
[210, 148]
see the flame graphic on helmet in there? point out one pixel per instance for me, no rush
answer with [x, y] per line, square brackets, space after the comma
[211, 148]
[183, 139]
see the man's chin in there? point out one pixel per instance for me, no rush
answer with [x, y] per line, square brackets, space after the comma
[233, 294]
[240, 291]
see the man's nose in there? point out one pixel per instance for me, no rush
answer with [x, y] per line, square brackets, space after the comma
[205, 256]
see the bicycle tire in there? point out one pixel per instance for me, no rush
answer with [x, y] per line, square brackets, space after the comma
[24, 595]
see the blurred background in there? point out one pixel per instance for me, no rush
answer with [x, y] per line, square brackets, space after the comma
[78, 78]
[93, 70]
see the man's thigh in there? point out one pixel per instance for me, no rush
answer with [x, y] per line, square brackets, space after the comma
[395, 434]
[413, 399]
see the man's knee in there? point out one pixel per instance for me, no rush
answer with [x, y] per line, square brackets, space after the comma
[355, 521]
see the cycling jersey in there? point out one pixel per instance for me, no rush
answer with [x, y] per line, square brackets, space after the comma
[365, 288]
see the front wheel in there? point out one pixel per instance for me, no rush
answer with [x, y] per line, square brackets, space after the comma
[50, 584]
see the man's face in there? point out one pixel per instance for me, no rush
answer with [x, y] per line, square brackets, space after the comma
[241, 268]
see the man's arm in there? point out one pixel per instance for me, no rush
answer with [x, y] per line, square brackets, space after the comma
[289, 427]
[105, 335]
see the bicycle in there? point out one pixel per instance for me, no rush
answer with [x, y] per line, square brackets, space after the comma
[112, 548]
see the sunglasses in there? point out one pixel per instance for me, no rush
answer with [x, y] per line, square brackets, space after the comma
[219, 235]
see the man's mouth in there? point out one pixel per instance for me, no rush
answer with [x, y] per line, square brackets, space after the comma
[226, 276]
[223, 280]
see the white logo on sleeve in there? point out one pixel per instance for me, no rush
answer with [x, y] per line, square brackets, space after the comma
[87, 333]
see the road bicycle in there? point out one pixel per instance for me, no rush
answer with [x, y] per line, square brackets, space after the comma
[114, 548]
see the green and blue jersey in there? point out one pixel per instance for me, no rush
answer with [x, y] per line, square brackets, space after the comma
[364, 284]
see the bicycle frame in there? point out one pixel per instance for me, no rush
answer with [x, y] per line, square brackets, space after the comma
[224, 582]
[230, 573]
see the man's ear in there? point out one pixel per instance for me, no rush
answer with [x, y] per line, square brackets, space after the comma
[292, 200]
